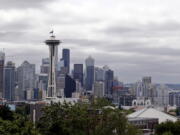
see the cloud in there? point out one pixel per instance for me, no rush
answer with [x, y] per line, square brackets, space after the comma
[152, 29]
[22, 4]
[135, 38]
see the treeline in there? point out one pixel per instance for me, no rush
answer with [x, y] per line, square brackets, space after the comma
[96, 118]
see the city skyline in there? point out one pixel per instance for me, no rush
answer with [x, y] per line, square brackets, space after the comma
[134, 38]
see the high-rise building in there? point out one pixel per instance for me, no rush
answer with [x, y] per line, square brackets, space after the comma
[60, 65]
[147, 86]
[109, 77]
[2, 58]
[70, 86]
[78, 73]
[25, 78]
[99, 74]
[145, 89]
[53, 56]
[146, 79]
[60, 85]
[42, 84]
[99, 89]
[45, 66]
[89, 73]
[66, 59]
[162, 96]
[9, 81]
[78, 87]
[174, 98]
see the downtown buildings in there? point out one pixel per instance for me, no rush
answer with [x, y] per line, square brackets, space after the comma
[23, 83]
[2, 59]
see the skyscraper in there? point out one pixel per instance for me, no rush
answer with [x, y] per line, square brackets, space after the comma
[99, 89]
[70, 86]
[26, 78]
[66, 59]
[9, 81]
[53, 56]
[146, 81]
[45, 66]
[109, 76]
[42, 81]
[60, 85]
[2, 58]
[89, 73]
[99, 74]
[78, 73]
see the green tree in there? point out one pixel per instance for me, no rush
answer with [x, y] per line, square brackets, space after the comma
[167, 133]
[84, 119]
[12, 123]
[5, 113]
[168, 127]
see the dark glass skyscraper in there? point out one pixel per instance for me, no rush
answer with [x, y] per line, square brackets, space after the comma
[78, 73]
[89, 73]
[109, 76]
[70, 86]
[9, 81]
[66, 58]
[2, 57]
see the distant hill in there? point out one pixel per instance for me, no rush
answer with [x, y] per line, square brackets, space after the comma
[173, 86]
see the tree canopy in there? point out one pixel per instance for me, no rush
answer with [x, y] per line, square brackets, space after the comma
[95, 118]
[168, 128]
[12, 123]
[84, 119]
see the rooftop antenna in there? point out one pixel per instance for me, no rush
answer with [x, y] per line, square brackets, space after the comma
[52, 33]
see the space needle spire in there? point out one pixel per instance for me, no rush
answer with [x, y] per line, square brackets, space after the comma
[53, 43]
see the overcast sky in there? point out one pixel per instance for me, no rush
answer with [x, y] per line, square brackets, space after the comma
[133, 37]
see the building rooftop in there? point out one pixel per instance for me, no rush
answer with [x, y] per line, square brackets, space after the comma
[152, 113]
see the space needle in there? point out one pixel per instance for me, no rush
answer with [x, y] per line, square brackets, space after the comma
[53, 43]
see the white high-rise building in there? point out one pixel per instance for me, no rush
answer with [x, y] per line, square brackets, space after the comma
[60, 85]
[26, 78]
[162, 98]
[145, 89]
[99, 89]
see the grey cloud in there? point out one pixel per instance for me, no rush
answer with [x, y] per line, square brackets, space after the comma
[152, 29]
[18, 37]
[126, 47]
[22, 4]
[136, 47]
[142, 49]
[69, 18]
[82, 42]
[18, 25]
